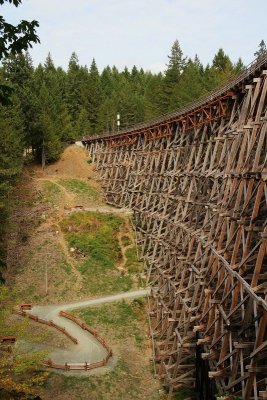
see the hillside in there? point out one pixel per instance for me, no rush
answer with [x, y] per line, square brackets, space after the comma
[66, 244]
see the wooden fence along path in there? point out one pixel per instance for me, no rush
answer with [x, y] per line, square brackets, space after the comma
[70, 366]
[196, 181]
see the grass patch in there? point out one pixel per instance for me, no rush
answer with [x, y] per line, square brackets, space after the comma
[79, 187]
[119, 383]
[96, 284]
[51, 192]
[133, 265]
[183, 394]
[67, 268]
[94, 235]
[126, 241]
[117, 315]
[117, 320]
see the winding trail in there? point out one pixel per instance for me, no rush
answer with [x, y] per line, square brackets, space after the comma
[69, 197]
[88, 348]
[124, 248]
[68, 207]
[102, 209]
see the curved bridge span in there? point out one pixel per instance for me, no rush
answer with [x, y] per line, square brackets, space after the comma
[196, 181]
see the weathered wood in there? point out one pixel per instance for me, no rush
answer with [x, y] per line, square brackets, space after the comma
[196, 181]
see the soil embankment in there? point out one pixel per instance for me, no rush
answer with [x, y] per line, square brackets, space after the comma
[48, 256]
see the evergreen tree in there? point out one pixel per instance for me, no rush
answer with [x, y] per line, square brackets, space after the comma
[173, 73]
[94, 95]
[48, 144]
[55, 84]
[106, 82]
[152, 97]
[73, 86]
[262, 51]
[126, 73]
[221, 70]
[191, 85]
[18, 70]
[239, 66]
[107, 114]
[83, 128]
[49, 64]
[11, 160]
[221, 61]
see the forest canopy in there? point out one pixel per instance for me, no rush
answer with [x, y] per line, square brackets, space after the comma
[52, 106]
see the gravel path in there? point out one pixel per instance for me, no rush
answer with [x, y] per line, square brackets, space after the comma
[88, 348]
[102, 209]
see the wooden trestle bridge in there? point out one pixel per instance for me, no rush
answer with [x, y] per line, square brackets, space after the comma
[196, 181]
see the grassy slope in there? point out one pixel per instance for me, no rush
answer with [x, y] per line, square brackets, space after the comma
[94, 237]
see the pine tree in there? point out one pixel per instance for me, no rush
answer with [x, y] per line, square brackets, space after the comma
[11, 145]
[262, 51]
[73, 88]
[107, 114]
[55, 83]
[239, 66]
[94, 95]
[221, 70]
[82, 127]
[19, 71]
[11, 160]
[191, 85]
[221, 61]
[49, 64]
[106, 82]
[177, 62]
[173, 73]
[152, 97]
[47, 144]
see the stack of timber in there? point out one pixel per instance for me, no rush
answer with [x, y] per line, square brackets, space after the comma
[196, 180]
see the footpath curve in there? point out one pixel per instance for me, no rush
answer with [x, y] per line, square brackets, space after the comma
[88, 349]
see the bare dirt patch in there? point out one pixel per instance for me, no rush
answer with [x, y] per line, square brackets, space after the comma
[72, 164]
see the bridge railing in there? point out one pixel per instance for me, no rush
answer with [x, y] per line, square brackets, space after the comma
[249, 70]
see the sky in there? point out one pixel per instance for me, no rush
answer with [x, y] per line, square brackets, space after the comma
[141, 32]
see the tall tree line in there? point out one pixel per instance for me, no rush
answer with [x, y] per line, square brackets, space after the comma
[52, 106]
[13, 40]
